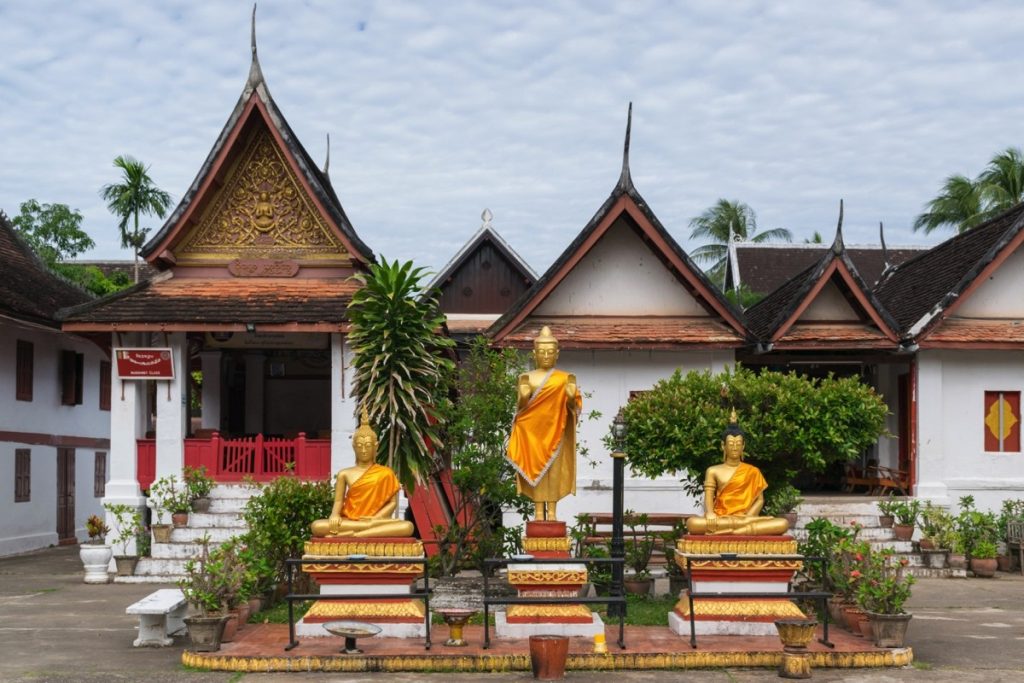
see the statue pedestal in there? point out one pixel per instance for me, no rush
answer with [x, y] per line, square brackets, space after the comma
[345, 572]
[547, 539]
[736, 616]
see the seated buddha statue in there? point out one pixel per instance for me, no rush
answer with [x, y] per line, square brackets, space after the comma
[365, 496]
[734, 494]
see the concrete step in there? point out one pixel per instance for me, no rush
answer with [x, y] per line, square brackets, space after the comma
[176, 551]
[169, 569]
[843, 519]
[215, 534]
[223, 520]
[928, 573]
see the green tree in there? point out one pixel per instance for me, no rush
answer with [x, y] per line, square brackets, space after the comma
[720, 222]
[401, 370]
[814, 239]
[964, 203]
[54, 231]
[135, 195]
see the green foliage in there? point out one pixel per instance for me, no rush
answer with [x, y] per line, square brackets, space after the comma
[847, 567]
[135, 195]
[143, 543]
[781, 499]
[203, 585]
[278, 518]
[823, 540]
[963, 203]
[721, 222]
[96, 528]
[984, 550]
[127, 523]
[54, 231]
[401, 371]
[937, 525]
[168, 494]
[793, 423]
[197, 482]
[884, 586]
[744, 297]
[974, 527]
[1012, 510]
[229, 572]
[643, 610]
[887, 508]
[478, 423]
[92, 278]
[906, 512]
[639, 544]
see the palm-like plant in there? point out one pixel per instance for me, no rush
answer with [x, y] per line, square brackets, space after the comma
[964, 203]
[134, 195]
[724, 221]
[1002, 181]
[401, 372]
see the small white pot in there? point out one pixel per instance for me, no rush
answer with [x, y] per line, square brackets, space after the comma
[95, 558]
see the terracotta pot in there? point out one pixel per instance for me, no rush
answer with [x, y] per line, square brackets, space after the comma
[180, 519]
[255, 605]
[243, 614]
[125, 564]
[95, 558]
[547, 657]
[230, 627]
[926, 544]
[854, 615]
[957, 561]
[903, 532]
[890, 630]
[866, 630]
[1004, 562]
[836, 608]
[885, 521]
[790, 517]
[984, 568]
[637, 586]
[205, 632]
[201, 505]
[161, 533]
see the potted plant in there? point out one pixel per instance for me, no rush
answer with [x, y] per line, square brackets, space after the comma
[96, 553]
[783, 502]
[205, 593]
[163, 495]
[639, 548]
[882, 592]
[983, 559]
[975, 527]
[885, 513]
[676, 575]
[936, 531]
[823, 538]
[906, 514]
[199, 486]
[127, 524]
[1012, 511]
[228, 572]
[957, 558]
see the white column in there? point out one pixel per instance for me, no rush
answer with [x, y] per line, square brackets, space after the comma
[127, 402]
[343, 404]
[211, 388]
[931, 455]
[254, 362]
[170, 412]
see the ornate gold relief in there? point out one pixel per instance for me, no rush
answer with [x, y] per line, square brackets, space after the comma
[374, 549]
[348, 568]
[781, 609]
[532, 545]
[262, 211]
[548, 611]
[548, 578]
[715, 546]
[367, 610]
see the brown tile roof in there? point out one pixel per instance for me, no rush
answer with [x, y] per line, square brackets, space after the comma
[848, 335]
[627, 332]
[462, 326]
[963, 331]
[28, 289]
[765, 267]
[220, 301]
[934, 279]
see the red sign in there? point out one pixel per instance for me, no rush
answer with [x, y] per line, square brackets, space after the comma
[152, 363]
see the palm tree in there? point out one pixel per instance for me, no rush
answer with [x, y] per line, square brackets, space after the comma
[135, 195]
[724, 221]
[964, 203]
[816, 238]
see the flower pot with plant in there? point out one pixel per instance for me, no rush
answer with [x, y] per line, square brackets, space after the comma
[1012, 513]
[882, 593]
[127, 525]
[676, 575]
[983, 559]
[782, 501]
[199, 486]
[163, 496]
[885, 513]
[95, 554]
[906, 513]
[639, 548]
[228, 571]
[205, 591]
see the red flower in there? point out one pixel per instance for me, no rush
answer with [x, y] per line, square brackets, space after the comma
[859, 557]
[904, 562]
[855, 574]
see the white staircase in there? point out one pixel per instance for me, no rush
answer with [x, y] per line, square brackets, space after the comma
[844, 510]
[224, 520]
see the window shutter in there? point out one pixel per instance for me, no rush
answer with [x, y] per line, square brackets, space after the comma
[67, 378]
[24, 371]
[104, 385]
[79, 378]
[99, 483]
[22, 475]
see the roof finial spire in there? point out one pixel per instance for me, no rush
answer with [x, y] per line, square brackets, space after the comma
[885, 252]
[625, 180]
[486, 217]
[327, 159]
[255, 73]
[837, 244]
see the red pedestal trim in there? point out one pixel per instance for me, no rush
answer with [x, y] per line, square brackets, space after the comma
[545, 529]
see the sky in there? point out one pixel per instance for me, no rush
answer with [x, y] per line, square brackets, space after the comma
[438, 110]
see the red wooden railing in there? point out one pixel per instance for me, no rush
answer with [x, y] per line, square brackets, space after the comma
[258, 458]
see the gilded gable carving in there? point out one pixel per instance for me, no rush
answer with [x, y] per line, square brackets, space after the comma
[262, 211]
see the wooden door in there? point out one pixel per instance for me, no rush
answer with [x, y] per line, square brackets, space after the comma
[904, 422]
[66, 496]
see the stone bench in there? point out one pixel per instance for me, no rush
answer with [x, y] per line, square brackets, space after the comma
[161, 615]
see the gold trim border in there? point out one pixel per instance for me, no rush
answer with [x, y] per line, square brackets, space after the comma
[545, 544]
[214, 661]
[575, 577]
[779, 609]
[375, 549]
[715, 545]
[367, 610]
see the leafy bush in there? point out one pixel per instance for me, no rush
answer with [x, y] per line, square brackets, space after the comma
[975, 527]
[937, 525]
[884, 586]
[197, 482]
[823, 540]
[639, 544]
[887, 508]
[1012, 511]
[202, 586]
[793, 423]
[127, 523]
[278, 518]
[984, 550]
[167, 494]
[907, 512]
[781, 499]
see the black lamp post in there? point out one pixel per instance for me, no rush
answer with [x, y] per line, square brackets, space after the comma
[618, 482]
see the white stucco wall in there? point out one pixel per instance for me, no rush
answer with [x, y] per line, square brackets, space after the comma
[608, 377]
[620, 276]
[830, 304]
[952, 461]
[33, 524]
[1000, 295]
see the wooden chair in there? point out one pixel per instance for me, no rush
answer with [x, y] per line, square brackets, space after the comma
[888, 480]
[1015, 540]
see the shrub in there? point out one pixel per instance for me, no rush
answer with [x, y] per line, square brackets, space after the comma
[984, 550]
[1012, 511]
[639, 544]
[975, 527]
[202, 585]
[127, 524]
[936, 525]
[907, 512]
[197, 482]
[96, 528]
[781, 499]
[884, 586]
[793, 423]
[823, 541]
[166, 494]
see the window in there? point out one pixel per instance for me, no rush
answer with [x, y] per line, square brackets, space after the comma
[104, 385]
[23, 390]
[1002, 421]
[22, 475]
[99, 478]
[72, 377]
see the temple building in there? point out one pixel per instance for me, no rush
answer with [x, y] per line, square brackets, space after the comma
[54, 407]
[255, 277]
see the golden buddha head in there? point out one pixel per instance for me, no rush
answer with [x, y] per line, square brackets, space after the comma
[364, 440]
[733, 440]
[545, 349]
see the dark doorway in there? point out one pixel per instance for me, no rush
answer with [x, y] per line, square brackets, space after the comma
[66, 496]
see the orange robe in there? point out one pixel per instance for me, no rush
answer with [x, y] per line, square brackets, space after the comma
[370, 492]
[739, 493]
[542, 445]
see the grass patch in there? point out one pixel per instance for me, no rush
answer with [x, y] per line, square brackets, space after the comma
[475, 620]
[278, 614]
[642, 610]
[920, 665]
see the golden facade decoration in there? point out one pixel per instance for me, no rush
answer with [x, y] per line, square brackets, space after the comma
[262, 211]
[371, 549]
[547, 578]
[413, 570]
[779, 609]
[408, 609]
[533, 545]
[549, 612]
[711, 545]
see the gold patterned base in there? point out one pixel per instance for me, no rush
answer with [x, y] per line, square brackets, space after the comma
[371, 548]
[553, 577]
[412, 570]
[541, 545]
[485, 663]
[760, 610]
[366, 611]
[549, 612]
[744, 545]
